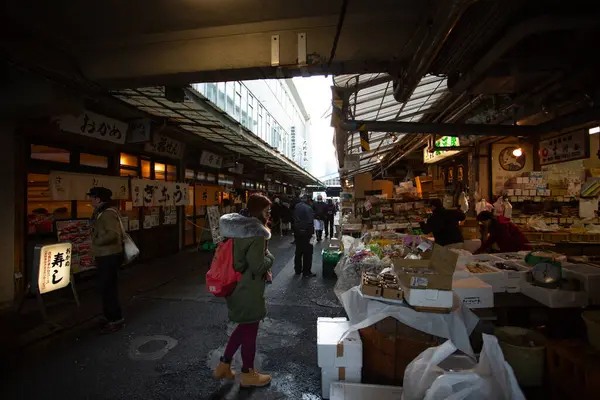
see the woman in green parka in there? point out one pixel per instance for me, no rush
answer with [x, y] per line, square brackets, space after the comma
[247, 302]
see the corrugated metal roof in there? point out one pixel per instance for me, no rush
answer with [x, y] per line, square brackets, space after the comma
[198, 120]
[374, 101]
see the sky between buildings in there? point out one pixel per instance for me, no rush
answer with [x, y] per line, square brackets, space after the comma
[315, 92]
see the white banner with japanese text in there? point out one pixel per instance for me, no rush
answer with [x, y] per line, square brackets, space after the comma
[148, 193]
[72, 186]
[95, 126]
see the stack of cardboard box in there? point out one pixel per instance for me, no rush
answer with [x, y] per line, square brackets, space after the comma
[427, 283]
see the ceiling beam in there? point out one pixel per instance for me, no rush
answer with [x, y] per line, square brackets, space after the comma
[442, 129]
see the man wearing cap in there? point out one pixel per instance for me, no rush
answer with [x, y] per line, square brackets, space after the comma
[304, 218]
[107, 249]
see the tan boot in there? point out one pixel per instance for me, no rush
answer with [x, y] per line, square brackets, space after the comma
[223, 371]
[254, 379]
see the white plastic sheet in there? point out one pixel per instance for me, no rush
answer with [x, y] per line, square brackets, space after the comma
[492, 378]
[456, 326]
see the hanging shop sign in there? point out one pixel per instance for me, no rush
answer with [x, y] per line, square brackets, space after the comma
[446, 141]
[66, 186]
[237, 169]
[211, 159]
[207, 195]
[139, 131]
[165, 146]
[52, 267]
[568, 147]
[95, 126]
[148, 193]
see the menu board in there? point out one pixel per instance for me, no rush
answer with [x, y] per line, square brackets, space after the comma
[78, 232]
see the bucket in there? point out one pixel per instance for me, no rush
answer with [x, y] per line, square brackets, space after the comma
[592, 322]
[525, 351]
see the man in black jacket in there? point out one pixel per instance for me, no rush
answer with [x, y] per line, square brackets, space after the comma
[444, 225]
[304, 219]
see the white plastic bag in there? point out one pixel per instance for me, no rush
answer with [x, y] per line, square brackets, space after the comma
[483, 205]
[491, 379]
[499, 206]
[463, 202]
[507, 209]
[423, 370]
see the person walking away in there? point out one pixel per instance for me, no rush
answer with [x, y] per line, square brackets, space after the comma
[107, 249]
[277, 216]
[443, 223]
[503, 233]
[330, 211]
[246, 305]
[320, 210]
[303, 230]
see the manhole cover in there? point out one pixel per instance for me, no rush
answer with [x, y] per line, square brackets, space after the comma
[151, 348]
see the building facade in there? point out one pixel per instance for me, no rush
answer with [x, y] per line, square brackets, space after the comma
[271, 109]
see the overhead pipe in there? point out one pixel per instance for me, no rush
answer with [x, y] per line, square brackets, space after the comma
[546, 23]
[429, 48]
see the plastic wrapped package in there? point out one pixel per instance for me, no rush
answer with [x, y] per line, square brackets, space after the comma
[349, 270]
[492, 378]
[537, 223]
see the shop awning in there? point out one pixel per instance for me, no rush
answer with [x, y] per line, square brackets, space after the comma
[372, 99]
[197, 115]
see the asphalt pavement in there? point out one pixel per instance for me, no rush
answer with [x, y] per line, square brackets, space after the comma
[175, 334]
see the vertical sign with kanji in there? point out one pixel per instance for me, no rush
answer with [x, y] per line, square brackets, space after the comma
[53, 266]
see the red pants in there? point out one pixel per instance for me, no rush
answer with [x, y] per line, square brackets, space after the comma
[244, 335]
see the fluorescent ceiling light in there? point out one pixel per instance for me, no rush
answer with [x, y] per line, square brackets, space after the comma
[594, 130]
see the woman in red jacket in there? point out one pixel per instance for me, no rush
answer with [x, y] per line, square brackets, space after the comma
[506, 235]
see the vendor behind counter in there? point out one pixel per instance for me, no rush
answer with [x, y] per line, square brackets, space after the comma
[444, 225]
[503, 233]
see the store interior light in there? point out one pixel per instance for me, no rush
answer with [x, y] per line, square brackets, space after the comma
[594, 130]
[518, 152]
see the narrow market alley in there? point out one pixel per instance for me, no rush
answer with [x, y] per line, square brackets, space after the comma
[175, 334]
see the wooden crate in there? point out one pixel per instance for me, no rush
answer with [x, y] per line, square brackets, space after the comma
[573, 369]
[388, 347]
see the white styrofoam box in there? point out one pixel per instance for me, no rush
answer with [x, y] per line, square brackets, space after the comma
[472, 245]
[428, 297]
[494, 279]
[555, 298]
[474, 293]
[333, 353]
[589, 277]
[341, 374]
[462, 273]
[361, 391]
[513, 279]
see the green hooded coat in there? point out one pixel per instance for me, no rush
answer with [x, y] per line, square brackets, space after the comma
[247, 302]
